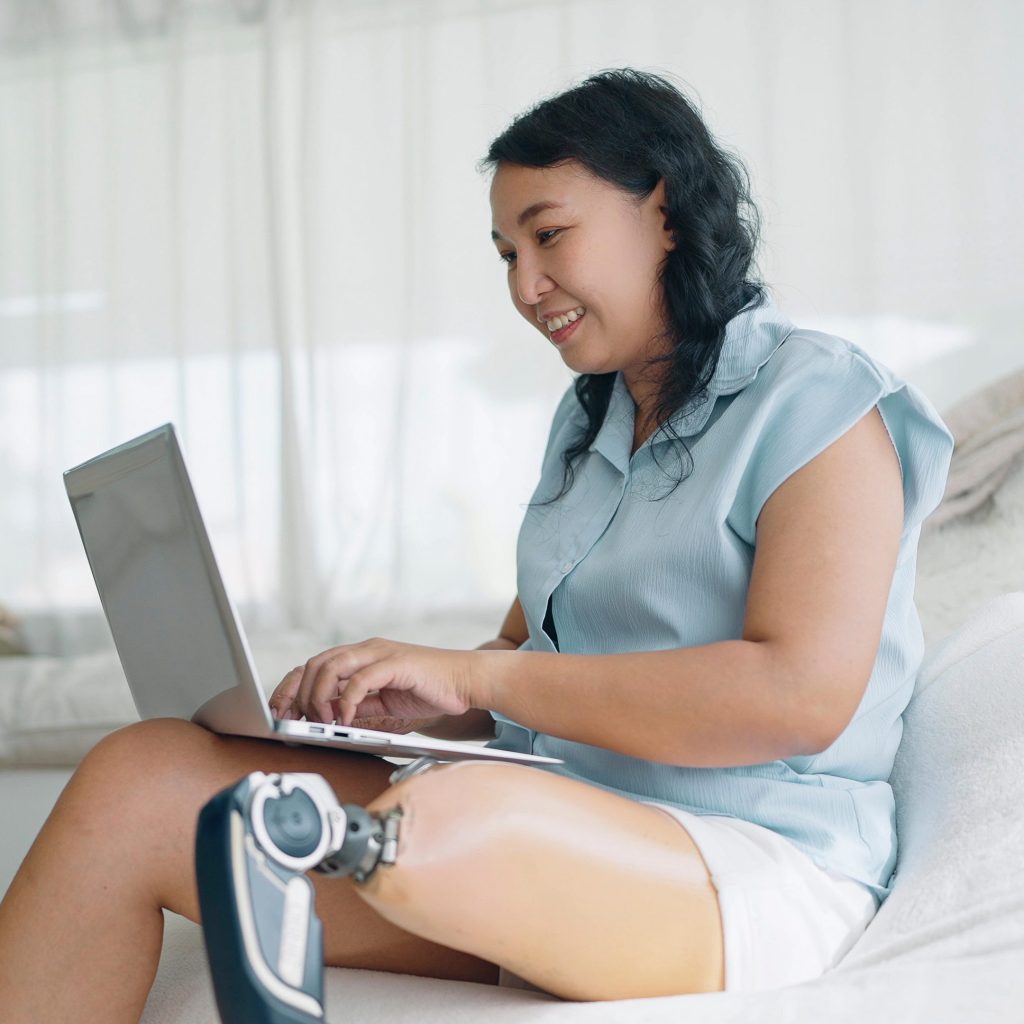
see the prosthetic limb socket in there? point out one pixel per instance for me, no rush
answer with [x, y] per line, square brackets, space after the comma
[255, 842]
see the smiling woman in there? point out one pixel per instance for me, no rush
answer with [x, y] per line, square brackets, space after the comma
[768, 594]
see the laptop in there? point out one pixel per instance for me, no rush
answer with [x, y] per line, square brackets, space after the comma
[176, 630]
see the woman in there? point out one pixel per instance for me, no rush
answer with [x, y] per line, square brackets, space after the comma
[714, 630]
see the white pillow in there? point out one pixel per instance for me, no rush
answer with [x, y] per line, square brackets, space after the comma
[959, 786]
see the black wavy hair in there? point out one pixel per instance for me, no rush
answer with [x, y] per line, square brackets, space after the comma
[633, 129]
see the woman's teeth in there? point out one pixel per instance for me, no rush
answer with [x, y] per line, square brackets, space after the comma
[563, 321]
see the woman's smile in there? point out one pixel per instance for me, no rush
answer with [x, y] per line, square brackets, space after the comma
[564, 333]
[557, 324]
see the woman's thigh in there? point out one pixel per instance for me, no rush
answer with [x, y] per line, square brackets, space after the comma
[161, 772]
[584, 893]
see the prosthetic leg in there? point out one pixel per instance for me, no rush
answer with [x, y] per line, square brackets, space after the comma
[255, 842]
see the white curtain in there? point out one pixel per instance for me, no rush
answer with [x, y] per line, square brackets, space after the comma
[262, 221]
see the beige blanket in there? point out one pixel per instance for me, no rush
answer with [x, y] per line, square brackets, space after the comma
[10, 638]
[988, 428]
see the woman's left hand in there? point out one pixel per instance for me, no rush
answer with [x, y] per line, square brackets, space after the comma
[377, 679]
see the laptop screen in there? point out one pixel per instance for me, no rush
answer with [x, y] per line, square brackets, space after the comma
[158, 582]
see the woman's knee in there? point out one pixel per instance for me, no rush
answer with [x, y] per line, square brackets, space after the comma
[143, 770]
[149, 745]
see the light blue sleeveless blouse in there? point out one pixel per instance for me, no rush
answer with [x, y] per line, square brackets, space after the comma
[627, 573]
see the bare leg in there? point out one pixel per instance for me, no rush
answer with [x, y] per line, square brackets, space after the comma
[81, 925]
[585, 894]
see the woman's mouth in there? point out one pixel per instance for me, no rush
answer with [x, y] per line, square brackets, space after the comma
[561, 327]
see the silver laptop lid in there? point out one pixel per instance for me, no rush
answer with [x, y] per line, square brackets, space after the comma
[174, 626]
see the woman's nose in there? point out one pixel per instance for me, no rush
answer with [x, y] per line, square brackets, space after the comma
[531, 283]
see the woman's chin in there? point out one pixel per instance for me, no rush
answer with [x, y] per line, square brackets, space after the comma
[579, 363]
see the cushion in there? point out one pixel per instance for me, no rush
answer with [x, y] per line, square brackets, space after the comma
[54, 710]
[958, 895]
[946, 947]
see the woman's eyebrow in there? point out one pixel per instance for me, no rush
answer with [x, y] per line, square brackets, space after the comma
[530, 212]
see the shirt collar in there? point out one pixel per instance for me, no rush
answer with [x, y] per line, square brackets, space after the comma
[751, 338]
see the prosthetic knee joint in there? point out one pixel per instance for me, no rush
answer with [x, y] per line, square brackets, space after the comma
[255, 842]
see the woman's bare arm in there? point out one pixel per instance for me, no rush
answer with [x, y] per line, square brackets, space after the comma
[827, 544]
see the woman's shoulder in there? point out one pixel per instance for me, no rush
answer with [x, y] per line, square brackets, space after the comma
[814, 370]
[813, 389]
[812, 355]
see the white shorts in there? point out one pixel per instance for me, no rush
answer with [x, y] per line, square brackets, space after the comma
[784, 919]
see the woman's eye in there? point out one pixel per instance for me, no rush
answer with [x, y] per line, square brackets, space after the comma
[508, 258]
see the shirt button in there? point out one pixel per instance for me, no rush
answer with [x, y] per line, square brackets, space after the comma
[566, 567]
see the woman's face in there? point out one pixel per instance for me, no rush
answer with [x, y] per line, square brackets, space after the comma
[583, 254]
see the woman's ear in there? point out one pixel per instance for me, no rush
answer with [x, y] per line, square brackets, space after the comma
[669, 231]
[668, 235]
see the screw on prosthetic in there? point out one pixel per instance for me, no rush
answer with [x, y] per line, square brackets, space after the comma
[255, 842]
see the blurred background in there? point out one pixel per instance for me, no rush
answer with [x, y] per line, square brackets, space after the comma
[262, 220]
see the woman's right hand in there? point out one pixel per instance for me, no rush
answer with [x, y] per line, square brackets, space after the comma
[283, 697]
